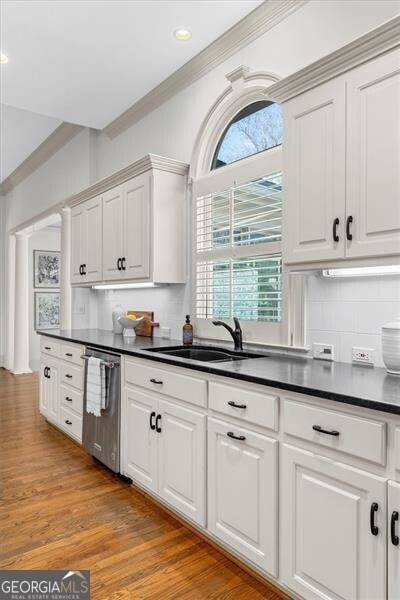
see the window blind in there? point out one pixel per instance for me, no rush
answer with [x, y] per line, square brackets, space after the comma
[238, 252]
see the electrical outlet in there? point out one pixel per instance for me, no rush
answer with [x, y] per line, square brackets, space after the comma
[364, 356]
[324, 351]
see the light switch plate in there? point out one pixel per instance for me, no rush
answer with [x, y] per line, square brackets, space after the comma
[323, 351]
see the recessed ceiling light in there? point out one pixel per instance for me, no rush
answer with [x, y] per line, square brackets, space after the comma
[182, 34]
[3, 59]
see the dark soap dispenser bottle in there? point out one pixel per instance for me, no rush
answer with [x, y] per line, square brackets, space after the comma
[188, 332]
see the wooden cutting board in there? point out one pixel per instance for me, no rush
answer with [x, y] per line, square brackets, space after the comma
[146, 328]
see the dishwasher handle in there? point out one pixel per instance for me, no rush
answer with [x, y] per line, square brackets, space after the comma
[104, 363]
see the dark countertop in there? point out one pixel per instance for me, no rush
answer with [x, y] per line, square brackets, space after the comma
[360, 385]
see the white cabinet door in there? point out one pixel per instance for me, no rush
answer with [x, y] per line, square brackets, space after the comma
[394, 541]
[242, 492]
[328, 550]
[93, 240]
[53, 392]
[44, 388]
[139, 441]
[113, 230]
[137, 238]
[78, 243]
[314, 174]
[373, 157]
[182, 459]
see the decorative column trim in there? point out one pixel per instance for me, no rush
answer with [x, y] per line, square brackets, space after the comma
[65, 287]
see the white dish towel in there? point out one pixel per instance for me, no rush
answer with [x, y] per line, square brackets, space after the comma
[95, 387]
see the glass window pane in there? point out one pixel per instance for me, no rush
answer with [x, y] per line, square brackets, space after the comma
[257, 211]
[255, 129]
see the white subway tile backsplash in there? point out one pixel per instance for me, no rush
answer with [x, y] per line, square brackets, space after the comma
[351, 312]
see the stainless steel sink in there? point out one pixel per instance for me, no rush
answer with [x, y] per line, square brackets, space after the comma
[205, 353]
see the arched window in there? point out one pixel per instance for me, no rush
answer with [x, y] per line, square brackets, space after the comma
[256, 128]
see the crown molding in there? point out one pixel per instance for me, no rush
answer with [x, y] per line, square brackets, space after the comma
[56, 140]
[255, 24]
[384, 38]
[150, 161]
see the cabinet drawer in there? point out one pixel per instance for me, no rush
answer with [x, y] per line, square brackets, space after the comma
[355, 435]
[397, 448]
[49, 346]
[71, 423]
[72, 375]
[150, 376]
[72, 353]
[71, 398]
[249, 406]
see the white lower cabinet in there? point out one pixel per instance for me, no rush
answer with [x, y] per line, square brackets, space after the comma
[163, 449]
[394, 540]
[243, 492]
[49, 390]
[333, 530]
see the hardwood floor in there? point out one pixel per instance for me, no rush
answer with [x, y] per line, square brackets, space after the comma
[61, 510]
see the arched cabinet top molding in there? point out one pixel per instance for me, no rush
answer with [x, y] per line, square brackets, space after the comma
[244, 88]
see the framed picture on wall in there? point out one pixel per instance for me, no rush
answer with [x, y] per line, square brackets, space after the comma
[46, 269]
[47, 310]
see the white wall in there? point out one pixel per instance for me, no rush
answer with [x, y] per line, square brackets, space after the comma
[313, 31]
[43, 239]
[2, 281]
[350, 312]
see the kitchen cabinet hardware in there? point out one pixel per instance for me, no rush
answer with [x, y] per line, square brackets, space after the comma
[158, 428]
[394, 518]
[68, 399]
[232, 403]
[152, 425]
[156, 381]
[374, 509]
[84, 269]
[241, 438]
[68, 354]
[68, 422]
[119, 264]
[123, 265]
[320, 429]
[80, 270]
[68, 376]
[334, 229]
[47, 348]
[349, 235]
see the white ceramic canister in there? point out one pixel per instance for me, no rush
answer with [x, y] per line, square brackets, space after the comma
[391, 347]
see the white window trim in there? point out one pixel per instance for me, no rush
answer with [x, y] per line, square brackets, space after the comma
[254, 167]
[244, 88]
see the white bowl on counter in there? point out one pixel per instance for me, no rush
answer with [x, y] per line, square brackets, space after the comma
[130, 325]
[391, 347]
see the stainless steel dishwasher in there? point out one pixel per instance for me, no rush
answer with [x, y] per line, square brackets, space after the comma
[101, 435]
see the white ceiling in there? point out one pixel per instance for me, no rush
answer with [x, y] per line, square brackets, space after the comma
[86, 62]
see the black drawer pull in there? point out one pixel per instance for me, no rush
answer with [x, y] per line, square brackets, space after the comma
[80, 270]
[349, 235]
[68, 399]
[157, 381]
[393, 521]
[68, 354]
[334, 229]
[158, 428]
[83, 269]
[68, 422]
[232, 403]
[241, 438]
[327, 431]
[152, 425]
[119, 261]
[47, 348]
[374, 509]
[123, 261]
[68, 376]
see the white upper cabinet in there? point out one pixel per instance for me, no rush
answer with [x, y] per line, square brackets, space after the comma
[113, 231]
[342, 155]
[86, 243]
[314, 171]
[373, 157]
[142, 233]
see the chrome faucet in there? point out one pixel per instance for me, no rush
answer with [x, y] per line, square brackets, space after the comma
[235, 333]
